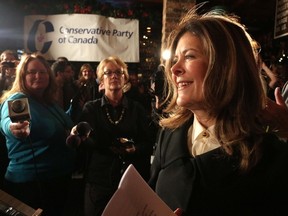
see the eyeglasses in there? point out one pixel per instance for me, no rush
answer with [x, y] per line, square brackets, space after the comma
[34, 72]
[116, 72]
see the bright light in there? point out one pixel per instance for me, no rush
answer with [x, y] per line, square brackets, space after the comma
[166, 54]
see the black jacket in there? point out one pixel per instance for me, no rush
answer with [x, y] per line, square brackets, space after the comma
[210, 184]
[103, 167]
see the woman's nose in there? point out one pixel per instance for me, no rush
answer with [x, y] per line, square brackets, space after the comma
[177, 69]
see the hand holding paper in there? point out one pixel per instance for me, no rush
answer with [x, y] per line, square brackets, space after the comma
[134, 197]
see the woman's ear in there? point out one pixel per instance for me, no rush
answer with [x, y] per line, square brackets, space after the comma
[101, 85]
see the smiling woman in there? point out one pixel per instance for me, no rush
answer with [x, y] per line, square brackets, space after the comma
[36, 146]
[213, 141]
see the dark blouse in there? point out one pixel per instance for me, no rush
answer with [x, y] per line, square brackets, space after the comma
[83, 93]
[103, 167]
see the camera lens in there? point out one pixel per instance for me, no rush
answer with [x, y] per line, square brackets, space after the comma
[18, 106]
[8, 64]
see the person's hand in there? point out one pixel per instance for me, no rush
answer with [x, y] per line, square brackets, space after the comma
[20, 129]
[127, 145]
[16, 62]
[73, 140]
[130, 149]
[178, 212]
[123, 149]
[123, 146]
[74, 131]
[78, 134]
[275, 115]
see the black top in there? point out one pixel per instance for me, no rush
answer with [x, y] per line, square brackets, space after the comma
[85, 91]
[210, 184]
[104, 167]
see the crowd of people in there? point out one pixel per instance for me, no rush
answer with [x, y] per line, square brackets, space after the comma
[8, 61]
[39, 157]
[40, 163]
[220, 139]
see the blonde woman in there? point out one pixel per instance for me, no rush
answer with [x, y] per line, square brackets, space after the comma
[119, 136]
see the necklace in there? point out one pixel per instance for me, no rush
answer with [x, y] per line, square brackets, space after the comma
[110, 119]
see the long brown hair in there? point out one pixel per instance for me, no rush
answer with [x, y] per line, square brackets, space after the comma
[232, 88]
[21, 71]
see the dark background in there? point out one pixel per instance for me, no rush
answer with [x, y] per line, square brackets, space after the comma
[257, 15]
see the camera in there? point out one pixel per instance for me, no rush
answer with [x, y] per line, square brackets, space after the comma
[83, 130]
[19, 110]
[8, 64]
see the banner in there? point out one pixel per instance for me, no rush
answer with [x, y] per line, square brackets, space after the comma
[82, 37]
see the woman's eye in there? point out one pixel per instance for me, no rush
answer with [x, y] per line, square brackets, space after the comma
[189, 56]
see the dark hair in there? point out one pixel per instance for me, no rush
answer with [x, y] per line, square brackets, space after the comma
[62, 58]
[158, 78]
[59, 66]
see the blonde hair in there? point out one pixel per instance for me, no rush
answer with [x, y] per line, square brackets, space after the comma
[115, 60]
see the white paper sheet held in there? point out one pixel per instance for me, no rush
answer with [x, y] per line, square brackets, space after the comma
[134, 197]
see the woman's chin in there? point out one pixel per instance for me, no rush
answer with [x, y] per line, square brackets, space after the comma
[182, 102]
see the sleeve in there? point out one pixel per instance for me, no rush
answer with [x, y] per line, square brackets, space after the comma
[285, 93]
[5, 118]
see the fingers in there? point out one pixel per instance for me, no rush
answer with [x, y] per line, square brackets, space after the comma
[18, 125]
[83, 138]
[123, 150]
[275, 115]
[20, 129]
[278, 97]
[74, 130]
[130, 149]
[178, 212]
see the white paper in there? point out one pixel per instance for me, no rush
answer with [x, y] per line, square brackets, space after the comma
[134, 197]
